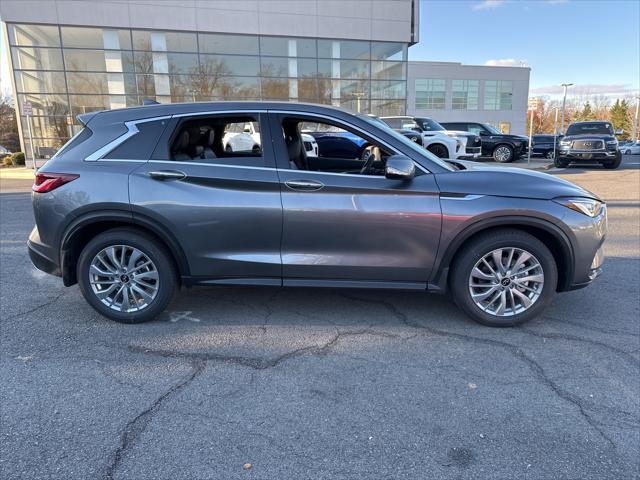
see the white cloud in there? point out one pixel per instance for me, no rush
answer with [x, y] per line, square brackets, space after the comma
[587, 89]
[488, 4]
[507, 62]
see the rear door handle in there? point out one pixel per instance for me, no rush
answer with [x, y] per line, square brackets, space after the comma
[304, 185]
[167, 175]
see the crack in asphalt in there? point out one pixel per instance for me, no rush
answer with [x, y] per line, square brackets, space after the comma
[35, 309]
[258, 363]
[514, 350]
[591, 327]
[137, 425]
[562, 336]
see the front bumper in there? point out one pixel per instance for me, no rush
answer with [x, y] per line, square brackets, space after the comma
[590, 234]
[588, 155]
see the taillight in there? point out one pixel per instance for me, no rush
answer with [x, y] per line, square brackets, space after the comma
[46, 182]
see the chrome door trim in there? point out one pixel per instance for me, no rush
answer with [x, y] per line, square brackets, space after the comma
[132, 130]
[177, 163]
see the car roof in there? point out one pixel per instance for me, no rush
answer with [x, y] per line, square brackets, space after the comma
[168, 109]
[587, 122]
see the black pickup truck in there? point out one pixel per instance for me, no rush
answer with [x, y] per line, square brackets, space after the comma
[589, 142]
[501, 146]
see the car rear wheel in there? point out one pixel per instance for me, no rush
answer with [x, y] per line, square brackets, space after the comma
[503, 154]
[549, 155]
[126, 276]
[504, 278]
[439, 150]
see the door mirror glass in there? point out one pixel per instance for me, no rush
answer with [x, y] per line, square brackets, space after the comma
[400, 167]
[483, 133]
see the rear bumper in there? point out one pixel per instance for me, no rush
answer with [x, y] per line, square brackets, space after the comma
[41, 261]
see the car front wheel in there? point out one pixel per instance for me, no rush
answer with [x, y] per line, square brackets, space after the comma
[613, 164]
[126, 276]
[560, 162]
[504, 278]
[503, 154]
[438, 150]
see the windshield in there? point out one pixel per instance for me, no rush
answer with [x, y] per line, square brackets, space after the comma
[492, 129]
[432, 125]
[587, 128]
[414, 146]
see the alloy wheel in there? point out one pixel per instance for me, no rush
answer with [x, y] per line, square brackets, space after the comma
[502, 154]
[124, 278]
[506, 282]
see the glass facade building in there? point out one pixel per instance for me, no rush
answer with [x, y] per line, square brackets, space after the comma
[64, 71]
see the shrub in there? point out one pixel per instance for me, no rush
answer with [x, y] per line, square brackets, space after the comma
[17, 158]
[6, 161]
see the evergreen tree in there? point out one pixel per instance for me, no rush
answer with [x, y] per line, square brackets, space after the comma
[586, 113]
[620, 118]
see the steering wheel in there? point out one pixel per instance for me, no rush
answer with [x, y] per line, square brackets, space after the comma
[368, 162]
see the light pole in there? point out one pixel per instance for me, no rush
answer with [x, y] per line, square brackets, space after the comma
[358, 96]
[564, 101]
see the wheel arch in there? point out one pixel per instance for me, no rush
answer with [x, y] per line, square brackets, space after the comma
[84, 228]
[440, 144]
[554, 238]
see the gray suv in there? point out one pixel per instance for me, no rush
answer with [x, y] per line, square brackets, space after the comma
[145, 199]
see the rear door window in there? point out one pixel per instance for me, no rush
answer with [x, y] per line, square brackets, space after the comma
[141, 145]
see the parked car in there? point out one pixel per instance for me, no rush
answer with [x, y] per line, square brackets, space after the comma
[410, 134]
[246, 137]
[631, 148]
[502, 147]
[543, 145]
[128, 212]
[4, 152]
[589, 142]
[434, 137]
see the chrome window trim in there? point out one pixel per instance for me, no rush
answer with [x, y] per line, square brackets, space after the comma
[132, 130]
[217, 112]
[177, 163]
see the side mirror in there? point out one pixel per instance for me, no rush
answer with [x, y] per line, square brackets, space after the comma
[619, 131]
[483, 133]
[399, 167]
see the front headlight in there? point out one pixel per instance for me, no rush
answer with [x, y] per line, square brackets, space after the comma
[587, 206]
[565, 143]
[612, 143]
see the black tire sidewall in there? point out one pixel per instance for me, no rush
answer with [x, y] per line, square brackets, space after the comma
[479, 247]
[511, 157]
[615, 163]
[437, 148]
[151, 248]
[560, 162]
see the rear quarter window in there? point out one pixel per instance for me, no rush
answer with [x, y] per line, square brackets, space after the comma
[141, 145]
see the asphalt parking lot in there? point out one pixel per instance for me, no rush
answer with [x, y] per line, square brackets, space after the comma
[322, 384]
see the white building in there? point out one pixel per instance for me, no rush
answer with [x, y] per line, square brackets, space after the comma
[448, 92]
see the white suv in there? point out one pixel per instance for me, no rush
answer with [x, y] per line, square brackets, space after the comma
[434, 137]
[240, 137]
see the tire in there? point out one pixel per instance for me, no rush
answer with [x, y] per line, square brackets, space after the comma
[549, 155]
[612, 165]
[228, 148]
[560, 162]
[503, 154]
[628, 152]
[472, 253]
[159, 277]
[439, 150]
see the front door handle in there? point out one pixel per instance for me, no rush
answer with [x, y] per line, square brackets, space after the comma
[167, 175]
[304, 185]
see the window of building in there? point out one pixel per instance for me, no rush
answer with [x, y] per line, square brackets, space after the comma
[229, 44]
[164, 41]
[81, 37]
[464, 94]
[498, 94]
[430, 94]
[34, 35]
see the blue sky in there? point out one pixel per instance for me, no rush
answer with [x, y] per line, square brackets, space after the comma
[593, 44]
